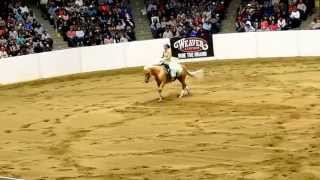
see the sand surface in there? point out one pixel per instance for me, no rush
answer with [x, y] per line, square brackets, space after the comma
[247, 119]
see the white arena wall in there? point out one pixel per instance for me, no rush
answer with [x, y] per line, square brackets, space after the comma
[139, 53]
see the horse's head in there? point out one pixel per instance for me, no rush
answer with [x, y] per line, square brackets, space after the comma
[147, 74]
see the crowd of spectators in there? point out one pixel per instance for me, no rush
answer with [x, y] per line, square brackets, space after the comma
[184, 18]
[272, 15]
[20, 33]
[92, 22]
[95, 22]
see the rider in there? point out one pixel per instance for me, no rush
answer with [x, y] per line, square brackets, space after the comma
[168, 62]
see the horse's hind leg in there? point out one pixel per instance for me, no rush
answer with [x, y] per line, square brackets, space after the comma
[182, 93]
[188, 90]
[184, 87]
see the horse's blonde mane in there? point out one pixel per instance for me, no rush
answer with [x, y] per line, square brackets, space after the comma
[147, 68]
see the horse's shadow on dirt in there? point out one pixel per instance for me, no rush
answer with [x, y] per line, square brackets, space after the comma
[168, 98]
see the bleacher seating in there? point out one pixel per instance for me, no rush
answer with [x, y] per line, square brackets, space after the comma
[92, 22]
[182, 18]
[271, 15]
[20, 32]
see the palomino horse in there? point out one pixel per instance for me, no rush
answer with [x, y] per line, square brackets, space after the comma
[161, 77]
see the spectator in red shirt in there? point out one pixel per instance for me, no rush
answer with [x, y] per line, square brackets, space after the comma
[264, 24]
[291, 7]
[3, 31]
[104, 9]
[71, 34]
[60, 11]
[273, 26]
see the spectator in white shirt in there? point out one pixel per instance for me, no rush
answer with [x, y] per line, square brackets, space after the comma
[78, 3]
[3, 52]
[3, 41]
[123, 39]
[295, 14]
[282, 23]
[295, 18]
[13, 34]
[303, 9]
[79, 36]
[24, 9]
[167, 33]
[315, 24]
[39, 29]
[121, 26]
[46, 37]
[248, 27]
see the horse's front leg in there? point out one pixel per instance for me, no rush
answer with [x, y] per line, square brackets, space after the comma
[160, 88]
[160, 96]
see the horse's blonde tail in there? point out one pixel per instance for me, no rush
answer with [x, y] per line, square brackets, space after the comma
[199, 74]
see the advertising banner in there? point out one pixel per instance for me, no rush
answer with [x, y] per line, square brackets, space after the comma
[191, 47]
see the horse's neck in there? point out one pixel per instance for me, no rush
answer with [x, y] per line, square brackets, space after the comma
[156, 73]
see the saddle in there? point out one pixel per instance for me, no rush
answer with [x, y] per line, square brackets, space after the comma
[167, 69]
